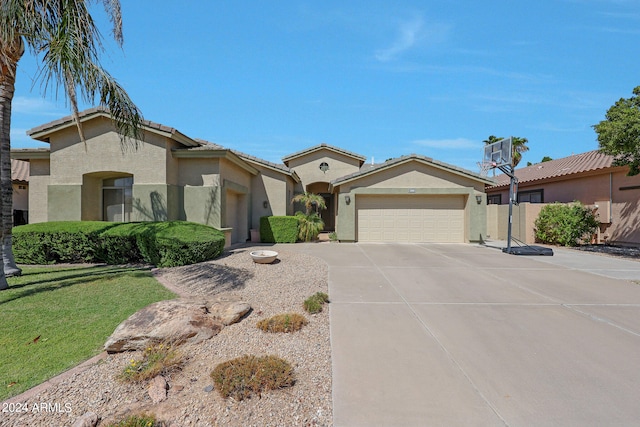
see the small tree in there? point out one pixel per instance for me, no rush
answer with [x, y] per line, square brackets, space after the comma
[619, 132]
[309, 223]
[565, 224]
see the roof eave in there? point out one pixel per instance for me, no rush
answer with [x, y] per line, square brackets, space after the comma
[213, 154]
[30, 154]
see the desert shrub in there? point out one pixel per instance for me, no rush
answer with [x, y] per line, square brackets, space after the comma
[333, 236]
[165, 244]
[278, 229]
[157, 359]
[247, 375]
[139, 421]
[314, 303]
[288, 322]
[565, 224]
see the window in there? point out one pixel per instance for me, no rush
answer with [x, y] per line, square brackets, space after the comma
[533, 196]
[117, 199]
[494, 199]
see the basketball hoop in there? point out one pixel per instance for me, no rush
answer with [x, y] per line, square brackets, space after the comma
[485, 167]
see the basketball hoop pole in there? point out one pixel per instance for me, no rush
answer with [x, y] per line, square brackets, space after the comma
[508, 170]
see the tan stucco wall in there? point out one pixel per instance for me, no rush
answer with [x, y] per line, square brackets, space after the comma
[70, 159]
[199, 172]
[38, 193]
[524, 217]
[270, 186]
[624, 211]
[413, 178]
[308, 166]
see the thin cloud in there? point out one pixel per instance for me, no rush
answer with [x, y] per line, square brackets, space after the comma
[412, 33]
[447, 144]
[36, 106]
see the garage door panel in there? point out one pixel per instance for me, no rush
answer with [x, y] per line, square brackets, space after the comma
[410, 218]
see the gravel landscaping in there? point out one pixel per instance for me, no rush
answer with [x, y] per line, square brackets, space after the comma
[270, 289]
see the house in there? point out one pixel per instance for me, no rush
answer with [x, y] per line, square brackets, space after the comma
[173, 176]
[590, 178]
[20, 183]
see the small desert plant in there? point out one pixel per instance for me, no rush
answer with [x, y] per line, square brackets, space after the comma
[309, 226]
[314, 303]
[288, 322]
[139, 421]
[240, 378]
[333, 236]
[157, 359]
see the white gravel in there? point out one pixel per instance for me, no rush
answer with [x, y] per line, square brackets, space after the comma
[269, 289]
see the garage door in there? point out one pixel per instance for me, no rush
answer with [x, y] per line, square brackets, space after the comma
[410, 219]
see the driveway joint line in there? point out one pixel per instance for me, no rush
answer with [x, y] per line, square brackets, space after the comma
[440, 344]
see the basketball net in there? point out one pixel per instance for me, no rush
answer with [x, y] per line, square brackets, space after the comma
[485, 167]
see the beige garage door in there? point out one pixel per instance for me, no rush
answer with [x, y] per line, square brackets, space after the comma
[410, 218]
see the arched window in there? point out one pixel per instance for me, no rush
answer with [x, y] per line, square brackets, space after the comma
[117, 199]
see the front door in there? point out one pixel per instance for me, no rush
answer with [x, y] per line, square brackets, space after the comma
[328, 214]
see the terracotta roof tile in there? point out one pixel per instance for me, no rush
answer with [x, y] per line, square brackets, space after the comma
[320, 146]
[577, 163]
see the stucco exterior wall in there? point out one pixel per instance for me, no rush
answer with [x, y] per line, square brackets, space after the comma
[412, 178]
[270, 186]
[199, 172]
[308, 166]
[39, 178]
[617, 195]
[70, 159]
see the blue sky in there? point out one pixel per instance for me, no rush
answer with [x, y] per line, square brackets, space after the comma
[379, 78]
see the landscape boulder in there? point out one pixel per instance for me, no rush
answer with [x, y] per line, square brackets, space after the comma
[181, 320]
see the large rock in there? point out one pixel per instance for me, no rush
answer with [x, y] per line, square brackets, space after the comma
[179, 320]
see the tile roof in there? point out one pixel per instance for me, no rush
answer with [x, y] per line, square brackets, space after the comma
[97, 111]
[19, 171]
[320, 146]
[376, 167]
[575, 164]
[206, 145]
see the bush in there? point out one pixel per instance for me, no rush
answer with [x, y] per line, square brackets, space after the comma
[565, 224]
[246, 375]
[278, 229]
[157, 359]
[288, 322]
[139, 421]
[314, 303]
[164, 244]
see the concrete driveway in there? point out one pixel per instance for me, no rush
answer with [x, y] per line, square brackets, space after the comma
[464, 335]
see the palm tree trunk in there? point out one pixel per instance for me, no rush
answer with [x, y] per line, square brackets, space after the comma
[14, 51]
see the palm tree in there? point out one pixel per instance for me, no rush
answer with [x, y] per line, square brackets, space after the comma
[309, 223]
[65, 34]
[310, 200]
[518, 146]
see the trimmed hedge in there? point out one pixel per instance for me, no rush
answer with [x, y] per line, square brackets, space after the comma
[164, 244]
[278, 229]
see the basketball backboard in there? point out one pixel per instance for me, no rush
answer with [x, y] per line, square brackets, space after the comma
[498, 153]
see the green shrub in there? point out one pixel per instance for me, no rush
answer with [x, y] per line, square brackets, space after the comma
[139, 421]
[314, 303]
[278, 229]
[164, 244]
[157, 359]
[247, 375]
[565, 224]
[288, 322]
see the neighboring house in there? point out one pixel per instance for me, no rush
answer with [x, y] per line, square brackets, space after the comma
[172, 176]
[589, 178]
[20, 181]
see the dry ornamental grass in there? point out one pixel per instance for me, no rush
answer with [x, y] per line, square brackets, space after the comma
[288, 322]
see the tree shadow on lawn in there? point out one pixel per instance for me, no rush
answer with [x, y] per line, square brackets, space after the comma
[76, 276]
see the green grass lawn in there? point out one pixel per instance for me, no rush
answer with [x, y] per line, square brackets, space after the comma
[54, 318]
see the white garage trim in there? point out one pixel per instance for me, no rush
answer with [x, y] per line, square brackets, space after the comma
[410, 218]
